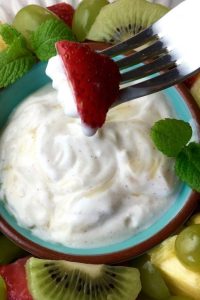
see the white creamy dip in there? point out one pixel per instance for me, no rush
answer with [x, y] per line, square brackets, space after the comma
[85, 191]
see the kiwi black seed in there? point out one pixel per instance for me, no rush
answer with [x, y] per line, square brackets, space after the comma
[63, 280]
[122, 19]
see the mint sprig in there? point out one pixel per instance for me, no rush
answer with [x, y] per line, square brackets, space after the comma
[16, 59]
[8, 33]
[171, 137]
[187, 165]
[48, 33]
[14, 69]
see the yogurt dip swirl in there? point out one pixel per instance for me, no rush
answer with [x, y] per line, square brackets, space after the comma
[85, 191]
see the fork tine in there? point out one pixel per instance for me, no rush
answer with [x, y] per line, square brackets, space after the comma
[134, 42]
[157, 65]
[140, 56]
[153, 85]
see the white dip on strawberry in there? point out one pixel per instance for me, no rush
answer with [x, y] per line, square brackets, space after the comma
[80, 191]
[65, 96]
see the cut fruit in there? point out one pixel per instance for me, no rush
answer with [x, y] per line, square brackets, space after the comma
[16, 281]
[64, 11]
[42, 29]
[181, 280]
[152, 282]
[187, 247]
[3, 290]
[64, 280]
[124, 18]
[94, 80]
[30, 17]
[85, 15]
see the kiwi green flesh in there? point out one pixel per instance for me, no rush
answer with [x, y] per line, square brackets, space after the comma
[62, 280]
[85, 15]
[122, 19]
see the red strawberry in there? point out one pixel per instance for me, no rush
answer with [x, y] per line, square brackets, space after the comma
[15, 278]
[94, 78]
[64, 11]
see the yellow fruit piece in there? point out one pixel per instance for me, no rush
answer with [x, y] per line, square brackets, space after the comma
[180, 280]
[195, 90]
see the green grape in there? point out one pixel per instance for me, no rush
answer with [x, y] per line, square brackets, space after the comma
[3, 290]
[30, 17]
[179, 298]
[85, 16]
[153, 285]
[187, 247]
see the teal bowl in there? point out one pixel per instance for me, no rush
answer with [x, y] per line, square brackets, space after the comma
[185, 108]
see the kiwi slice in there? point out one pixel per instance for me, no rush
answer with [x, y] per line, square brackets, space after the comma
[63, 280]
[122, 19]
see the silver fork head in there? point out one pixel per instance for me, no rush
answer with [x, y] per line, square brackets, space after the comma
[174, 51]
[130, 44]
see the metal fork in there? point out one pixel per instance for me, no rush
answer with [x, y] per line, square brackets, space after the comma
[170, 53]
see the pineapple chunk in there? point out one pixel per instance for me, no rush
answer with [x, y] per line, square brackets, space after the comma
[180, 280]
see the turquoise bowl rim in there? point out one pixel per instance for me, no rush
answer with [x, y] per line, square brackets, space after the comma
[135, 245]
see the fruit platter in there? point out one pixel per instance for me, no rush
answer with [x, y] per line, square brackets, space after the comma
[97, 200]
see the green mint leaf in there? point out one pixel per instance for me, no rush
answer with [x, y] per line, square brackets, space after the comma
[15, 69]
[171, 135]
[15, 61]
[44, 38]
[8, 33]
[12, 52]
[187, 165]
[18, 48]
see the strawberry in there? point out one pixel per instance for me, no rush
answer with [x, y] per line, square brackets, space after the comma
[64, 11]
[15, 278]
[94, 79]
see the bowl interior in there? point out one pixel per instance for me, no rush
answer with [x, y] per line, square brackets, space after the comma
[35, 79]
